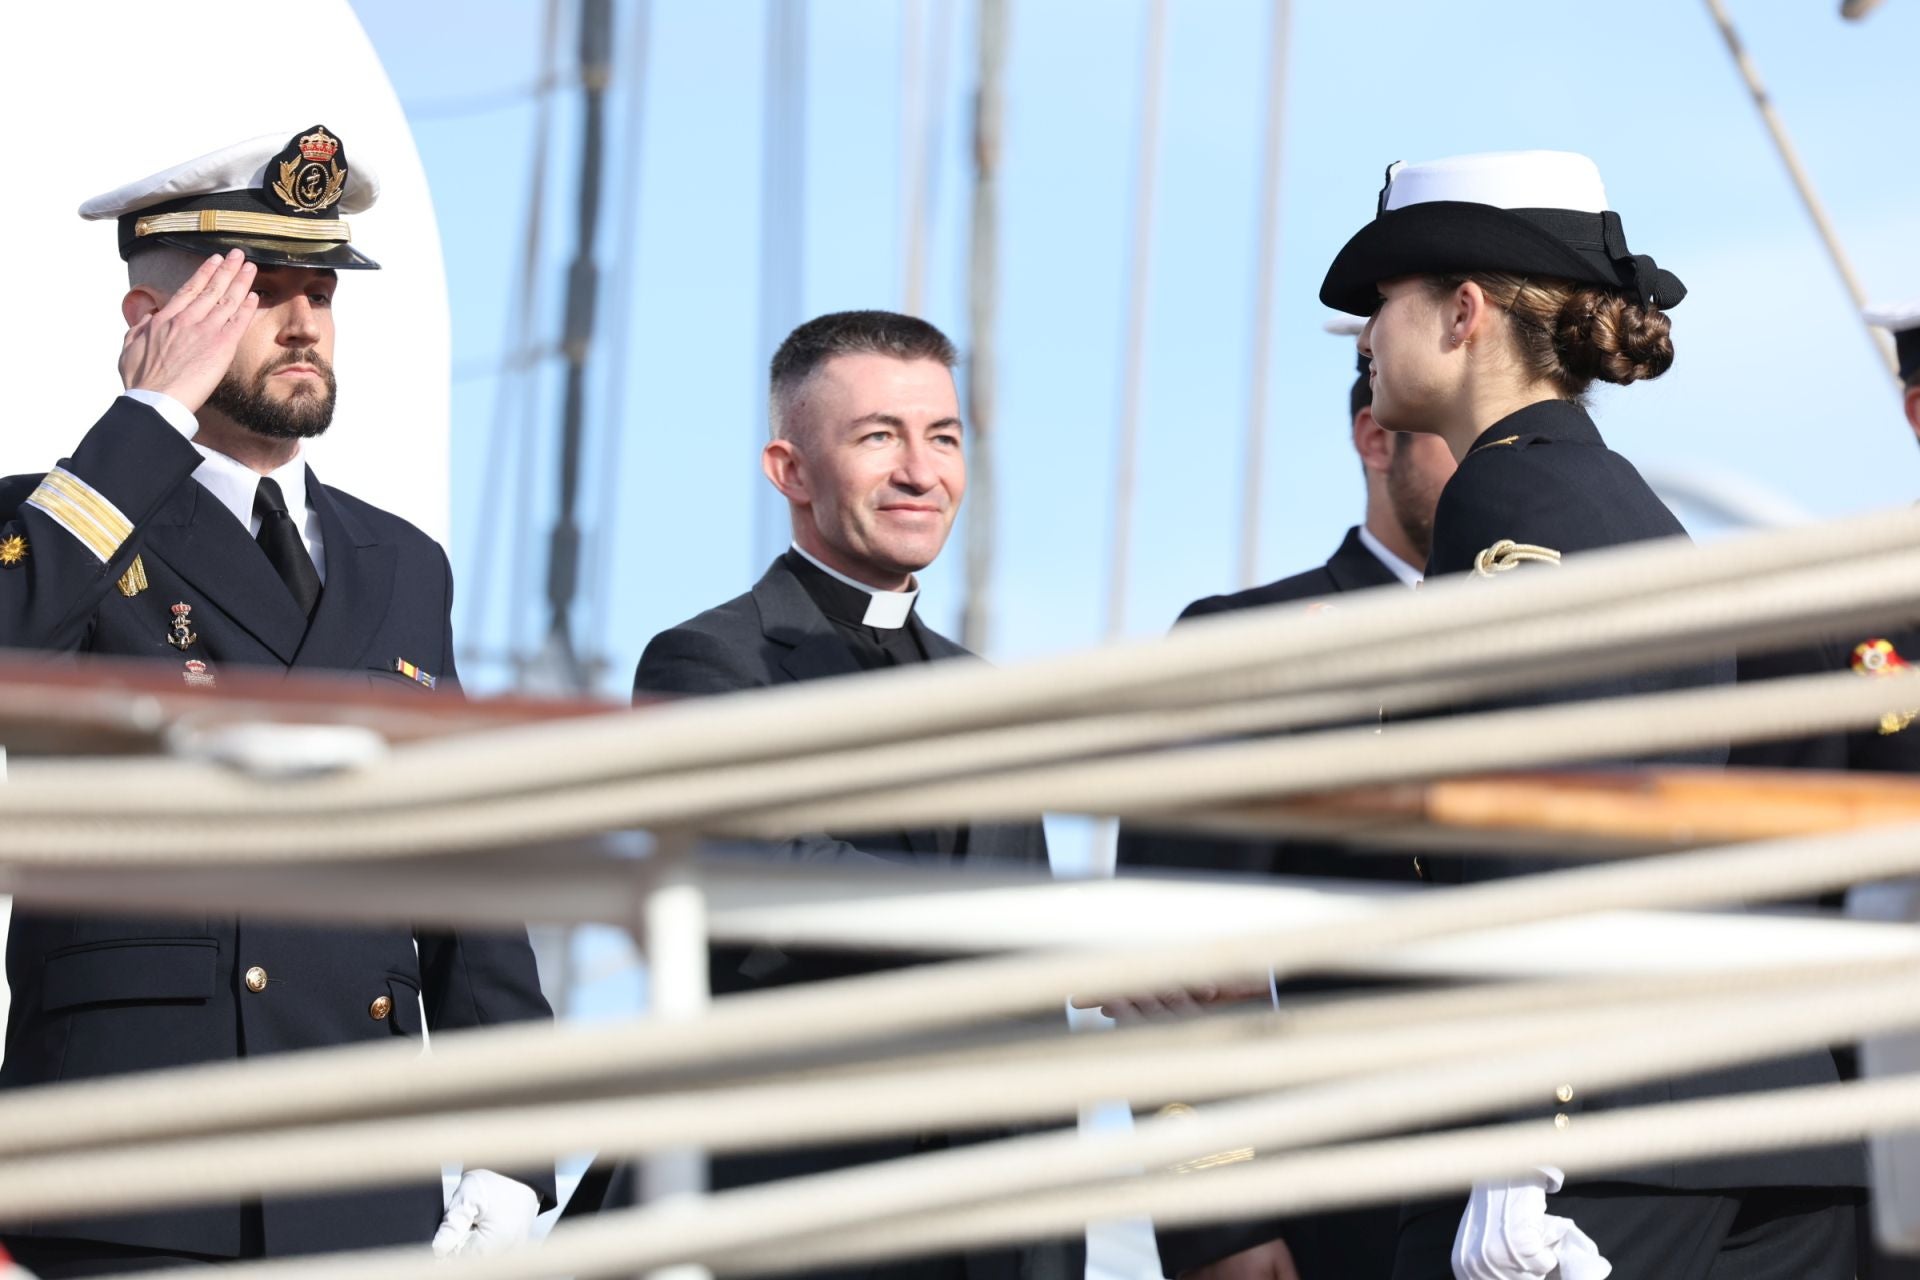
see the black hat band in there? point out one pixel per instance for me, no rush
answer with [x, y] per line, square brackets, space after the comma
[1602, 233]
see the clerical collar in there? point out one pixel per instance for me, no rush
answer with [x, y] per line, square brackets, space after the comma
[888, 610]
[1395, 565]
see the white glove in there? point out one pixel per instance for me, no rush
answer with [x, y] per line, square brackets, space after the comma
[1507, 1234]
[488, 1214]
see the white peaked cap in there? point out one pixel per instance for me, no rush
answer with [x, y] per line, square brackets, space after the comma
[240, 167]
[1897, 318]
[1903, 321]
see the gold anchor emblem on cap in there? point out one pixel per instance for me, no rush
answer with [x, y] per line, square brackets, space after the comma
[182, 635]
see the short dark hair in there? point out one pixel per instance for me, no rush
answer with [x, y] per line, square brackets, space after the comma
[1360, 396]
[850, 333]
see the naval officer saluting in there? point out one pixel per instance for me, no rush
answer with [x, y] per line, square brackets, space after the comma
[186, 528]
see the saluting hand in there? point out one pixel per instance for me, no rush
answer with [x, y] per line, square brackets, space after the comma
[183, 349]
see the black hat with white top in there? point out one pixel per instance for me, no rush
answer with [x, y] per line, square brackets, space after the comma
[1903, 322]
[1541, 214]
[278, 200]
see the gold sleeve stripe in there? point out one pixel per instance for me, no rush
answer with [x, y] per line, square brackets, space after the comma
[78, 508]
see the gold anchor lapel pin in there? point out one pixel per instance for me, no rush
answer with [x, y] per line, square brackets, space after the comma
[181, 635]
[134, 580]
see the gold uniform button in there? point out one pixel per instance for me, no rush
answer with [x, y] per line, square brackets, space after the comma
[1561, 1120]
[256, 979]
[1564, 1093]
[380, 1008]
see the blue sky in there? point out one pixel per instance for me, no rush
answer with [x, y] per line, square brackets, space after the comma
[1774, 382]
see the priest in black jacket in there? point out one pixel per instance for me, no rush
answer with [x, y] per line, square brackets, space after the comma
[869, 451]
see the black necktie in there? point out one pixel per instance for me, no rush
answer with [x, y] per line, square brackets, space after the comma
[279, 537]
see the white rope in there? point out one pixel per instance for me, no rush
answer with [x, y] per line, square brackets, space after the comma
[1158, 783]
[481, 1064]
[1661, 589]
[1147, 783]
[1726, 1029]
[919, 1186]
[1375, 1172]
[1313, 1032]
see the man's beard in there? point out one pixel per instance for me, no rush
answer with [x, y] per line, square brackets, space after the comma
[304, 414]
[1412, 501]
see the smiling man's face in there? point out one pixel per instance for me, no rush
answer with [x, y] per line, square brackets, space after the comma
[873, 465]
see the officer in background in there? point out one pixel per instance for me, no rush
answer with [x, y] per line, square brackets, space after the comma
[1892, 747]
[869, 451]
[1404, 472]
[186, 529]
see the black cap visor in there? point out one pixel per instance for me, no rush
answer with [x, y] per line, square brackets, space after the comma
[1446, 236]
[267, 251]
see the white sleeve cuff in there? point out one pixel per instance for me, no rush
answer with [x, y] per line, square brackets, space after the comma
[177, 415]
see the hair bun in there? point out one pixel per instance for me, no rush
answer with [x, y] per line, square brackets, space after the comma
[1606, 335]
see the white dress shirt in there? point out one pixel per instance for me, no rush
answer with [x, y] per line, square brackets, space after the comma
[1395, 565]
[235, 483]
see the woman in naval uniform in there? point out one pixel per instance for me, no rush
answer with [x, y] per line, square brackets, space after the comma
[1498, 289]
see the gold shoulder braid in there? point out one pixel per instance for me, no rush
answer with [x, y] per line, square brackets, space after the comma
[134, 580]
[1507, 555]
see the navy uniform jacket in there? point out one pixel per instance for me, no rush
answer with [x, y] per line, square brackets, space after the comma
[1352, 1244]
[1352, 568]
[100, 995]
[1868, 751]
[1543, 476]
[772, 635]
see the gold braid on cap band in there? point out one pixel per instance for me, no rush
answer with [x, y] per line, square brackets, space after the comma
[238, 220]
